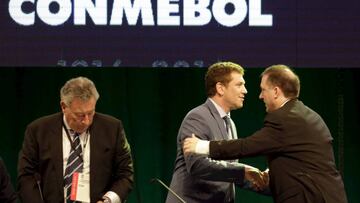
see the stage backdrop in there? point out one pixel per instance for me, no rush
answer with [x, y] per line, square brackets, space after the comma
[179, 33]
[152, 104]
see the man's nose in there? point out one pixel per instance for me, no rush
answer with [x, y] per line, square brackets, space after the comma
[245, 90]
[86, 120]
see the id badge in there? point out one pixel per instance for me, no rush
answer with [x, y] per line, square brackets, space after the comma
[80, 189]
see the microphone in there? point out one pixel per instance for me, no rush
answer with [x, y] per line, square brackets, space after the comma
[38, 180]
[170, 190]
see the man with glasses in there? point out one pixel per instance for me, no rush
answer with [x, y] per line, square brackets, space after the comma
[77, 155]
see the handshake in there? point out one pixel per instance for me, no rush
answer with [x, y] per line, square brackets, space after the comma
[255, 179]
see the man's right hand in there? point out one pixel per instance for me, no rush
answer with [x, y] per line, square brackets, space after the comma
[259, 180]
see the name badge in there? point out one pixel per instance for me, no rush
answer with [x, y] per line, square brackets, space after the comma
[80, 189]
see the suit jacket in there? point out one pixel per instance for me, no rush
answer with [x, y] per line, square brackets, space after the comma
[197, 178]
[298, 145]
[7, 194]
[41, 159]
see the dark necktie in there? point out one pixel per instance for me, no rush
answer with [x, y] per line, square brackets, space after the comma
[229, 129]
[74, 164]
[230, 134]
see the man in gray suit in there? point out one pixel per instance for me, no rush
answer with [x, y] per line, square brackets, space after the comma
[200, 179]
[295, 139]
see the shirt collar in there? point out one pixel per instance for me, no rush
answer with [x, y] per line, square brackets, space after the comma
[65, 123]
[285, 102]
[219, 109]
[71, 131]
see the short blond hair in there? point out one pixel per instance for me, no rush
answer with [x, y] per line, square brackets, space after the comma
[220, 72]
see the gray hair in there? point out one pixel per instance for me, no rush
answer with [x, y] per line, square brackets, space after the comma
[80, 87]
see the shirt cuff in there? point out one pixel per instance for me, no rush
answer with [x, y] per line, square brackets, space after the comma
[113, 197]
[202, 147]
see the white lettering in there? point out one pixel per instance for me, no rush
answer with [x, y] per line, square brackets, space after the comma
[227, 13]
[255, 16]
[191, 9]
[18, 15]
[50, 18]
[165, 8]
[229, 20]
[132, 12]
[97, 12]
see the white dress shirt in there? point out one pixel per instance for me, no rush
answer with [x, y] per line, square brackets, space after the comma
[85, 144]
[202, 146]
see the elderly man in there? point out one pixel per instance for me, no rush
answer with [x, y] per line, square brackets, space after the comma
[77, 154]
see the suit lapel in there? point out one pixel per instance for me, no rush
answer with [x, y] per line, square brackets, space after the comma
[94, 160]
[55, 136]
[220, 122]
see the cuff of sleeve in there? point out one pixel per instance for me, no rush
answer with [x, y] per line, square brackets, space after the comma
[113, 197]
[202, 147]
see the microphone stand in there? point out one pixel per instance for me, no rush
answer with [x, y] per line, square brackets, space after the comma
[169, 189]
[38, 179]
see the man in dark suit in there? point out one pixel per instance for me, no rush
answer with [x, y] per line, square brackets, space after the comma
[198, 178]
[7, 194]
[295, 139]
[77, 154]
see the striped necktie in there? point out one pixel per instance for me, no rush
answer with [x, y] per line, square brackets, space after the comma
[229, 129]
[74, 164]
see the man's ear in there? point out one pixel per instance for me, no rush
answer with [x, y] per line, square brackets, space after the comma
[277, 92]
[219, 88]
[63, 106]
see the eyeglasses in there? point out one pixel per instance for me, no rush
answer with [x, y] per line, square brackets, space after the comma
[80, 116]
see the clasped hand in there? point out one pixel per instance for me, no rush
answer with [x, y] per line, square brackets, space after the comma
[189, 145]
[259, 180]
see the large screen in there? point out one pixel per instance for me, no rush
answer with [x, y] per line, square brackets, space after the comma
[179, 33]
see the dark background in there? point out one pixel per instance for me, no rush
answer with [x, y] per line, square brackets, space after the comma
[305, 33]
[320, 38]
[153, 102]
